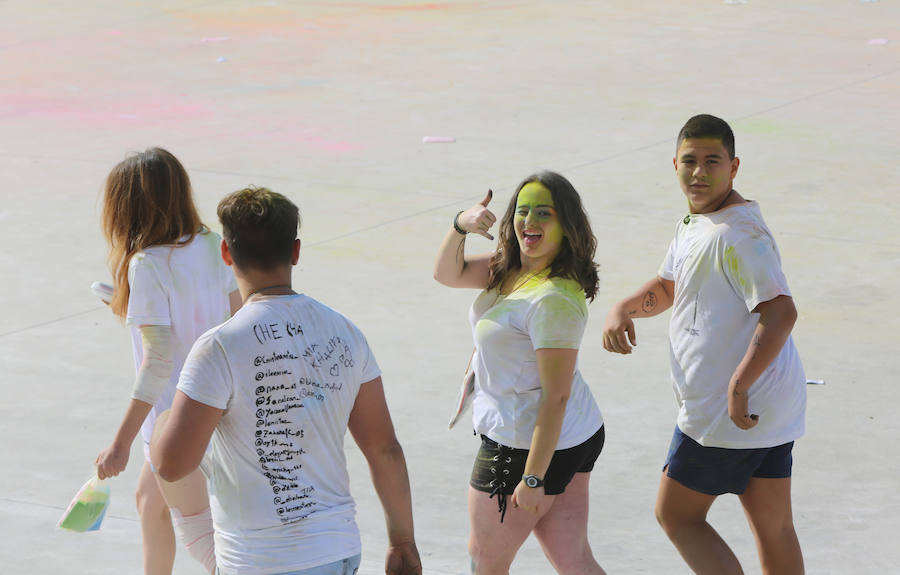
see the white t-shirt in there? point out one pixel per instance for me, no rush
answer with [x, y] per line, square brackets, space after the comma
[286, 370]
[542, 313]
[724, 264]
[185, 288]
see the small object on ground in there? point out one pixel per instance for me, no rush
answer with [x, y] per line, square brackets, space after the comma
[815, 382]
[438, 140]
[220, 59]
[878, 41]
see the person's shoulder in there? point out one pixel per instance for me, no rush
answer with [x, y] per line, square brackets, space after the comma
[745, 221]
[562, 289]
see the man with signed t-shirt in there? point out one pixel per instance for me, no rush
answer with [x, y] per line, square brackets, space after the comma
[275, 388]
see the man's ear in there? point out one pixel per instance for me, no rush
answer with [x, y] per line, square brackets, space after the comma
[295, 254]
[226, 255]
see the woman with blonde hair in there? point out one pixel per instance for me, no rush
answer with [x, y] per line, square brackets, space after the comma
[541, 430]
[170, 286]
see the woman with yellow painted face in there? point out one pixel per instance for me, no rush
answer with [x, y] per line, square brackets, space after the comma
[541, 430]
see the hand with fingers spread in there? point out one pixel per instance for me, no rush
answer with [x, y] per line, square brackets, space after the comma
[478, 219]
[618, 331]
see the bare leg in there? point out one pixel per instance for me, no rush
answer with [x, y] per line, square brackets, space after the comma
[156, 525]
[682, 514]
[189, 501]
[767, 503]
[562, 531]
[493, 545]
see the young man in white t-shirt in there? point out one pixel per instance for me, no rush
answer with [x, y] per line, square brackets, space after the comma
[738, 379]
[275, 388]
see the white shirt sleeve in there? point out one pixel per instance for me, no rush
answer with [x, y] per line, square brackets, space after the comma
[753, 268]
[148, 302]
[667, 268]
[555, 321]
[368, 367]
[206, 376]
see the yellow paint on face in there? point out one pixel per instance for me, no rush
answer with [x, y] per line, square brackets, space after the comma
[535, 209]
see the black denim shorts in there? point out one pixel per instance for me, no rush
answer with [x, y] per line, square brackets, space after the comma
[498, 468]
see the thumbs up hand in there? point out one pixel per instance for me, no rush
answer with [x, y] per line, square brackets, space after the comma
[478, 219]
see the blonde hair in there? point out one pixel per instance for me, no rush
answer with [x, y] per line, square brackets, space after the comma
[147, 201]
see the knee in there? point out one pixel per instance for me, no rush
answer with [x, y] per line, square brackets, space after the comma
[150, 502]
[483, 561]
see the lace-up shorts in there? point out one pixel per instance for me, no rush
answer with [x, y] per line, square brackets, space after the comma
[498, 469]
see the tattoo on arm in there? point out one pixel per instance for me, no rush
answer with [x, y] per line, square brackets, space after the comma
[632, 312]
[649, 302]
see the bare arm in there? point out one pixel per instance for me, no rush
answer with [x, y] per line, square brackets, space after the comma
[555, 368]
[451, 267]
[776, 320]
[113, 460]
[372, 429]
[654, 297]
[184, 439]
[152, 378]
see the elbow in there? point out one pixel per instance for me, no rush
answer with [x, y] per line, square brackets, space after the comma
[559, 400]
[170, 472]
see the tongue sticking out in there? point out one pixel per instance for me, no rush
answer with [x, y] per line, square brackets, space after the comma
[531, 240]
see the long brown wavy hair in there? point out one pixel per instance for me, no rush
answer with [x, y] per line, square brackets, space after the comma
[147, 201]
[575, 259]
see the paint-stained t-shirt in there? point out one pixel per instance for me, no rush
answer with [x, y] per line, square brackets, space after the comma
[185, 288]
[724, 264]
[286, 370]
[542, 313]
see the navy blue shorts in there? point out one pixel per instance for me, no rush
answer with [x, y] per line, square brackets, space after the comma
[718, 470]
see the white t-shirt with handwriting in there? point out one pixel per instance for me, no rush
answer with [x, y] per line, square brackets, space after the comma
[286, 370]
[724, 264]
[185, 288]
[542, 313]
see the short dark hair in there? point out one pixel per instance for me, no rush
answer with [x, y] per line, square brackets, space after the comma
[575, 259]
[259, 227]
[707, 126]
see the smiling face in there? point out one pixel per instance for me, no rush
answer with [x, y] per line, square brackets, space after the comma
[705, 173]
[537, 227]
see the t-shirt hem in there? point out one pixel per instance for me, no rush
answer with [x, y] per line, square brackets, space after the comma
[556, 345]
[758, 444]
[344, 554]
[147, 320]
[202, 398]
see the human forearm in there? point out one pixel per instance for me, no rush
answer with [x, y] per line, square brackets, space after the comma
[776, 320]
[131, 424]
[652, 298]
[450, 262]
[551, 411]
[391, 481]
[113, 460]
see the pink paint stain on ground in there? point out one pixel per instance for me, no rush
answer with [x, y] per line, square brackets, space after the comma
[315, 138]
[144, 110]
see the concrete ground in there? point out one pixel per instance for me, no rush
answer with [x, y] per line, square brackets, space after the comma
[328, 102]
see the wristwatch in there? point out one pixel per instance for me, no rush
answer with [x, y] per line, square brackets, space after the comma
[532, 481]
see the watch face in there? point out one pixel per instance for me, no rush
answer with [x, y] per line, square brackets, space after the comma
[531, 481]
